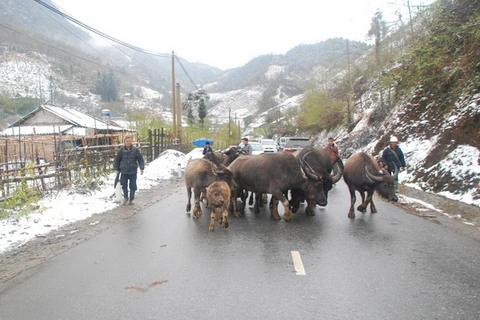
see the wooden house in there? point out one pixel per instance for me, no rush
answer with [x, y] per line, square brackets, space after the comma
[49, 130]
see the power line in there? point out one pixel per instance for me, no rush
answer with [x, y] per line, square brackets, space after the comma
[123, 52]
[188, 76]
[66, 16]
[53, 47]
[68, 30]
[163, 55]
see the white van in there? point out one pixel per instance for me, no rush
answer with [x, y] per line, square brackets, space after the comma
[281, 142]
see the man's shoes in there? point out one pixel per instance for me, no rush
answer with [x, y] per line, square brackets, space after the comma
[125, 200]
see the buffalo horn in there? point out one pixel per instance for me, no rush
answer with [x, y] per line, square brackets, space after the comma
[395, 172]
[309, 171]
[338, 175]
[373, 177]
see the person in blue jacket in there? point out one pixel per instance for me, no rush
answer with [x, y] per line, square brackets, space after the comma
[392, 157]
[127, 161]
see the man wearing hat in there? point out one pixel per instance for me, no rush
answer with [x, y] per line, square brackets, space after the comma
[247, 148]
[392, 157]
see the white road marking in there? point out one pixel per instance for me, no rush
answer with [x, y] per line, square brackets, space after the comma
[297, 262]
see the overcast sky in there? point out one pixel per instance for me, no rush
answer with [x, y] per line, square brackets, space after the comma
[228, 34]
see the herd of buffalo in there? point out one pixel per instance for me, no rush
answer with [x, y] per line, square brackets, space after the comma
[306, 175]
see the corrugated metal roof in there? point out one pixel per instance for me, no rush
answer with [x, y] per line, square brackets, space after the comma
[40, 130]
[76, 118]
[81, 119]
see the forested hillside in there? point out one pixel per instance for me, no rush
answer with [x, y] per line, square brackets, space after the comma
[423, 87]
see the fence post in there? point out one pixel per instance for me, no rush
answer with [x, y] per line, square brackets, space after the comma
[85, 154]
[155, 139]
[40, 169]
[149, 151]
[162, 140]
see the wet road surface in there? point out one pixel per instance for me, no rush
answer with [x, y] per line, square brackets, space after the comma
[162, 264]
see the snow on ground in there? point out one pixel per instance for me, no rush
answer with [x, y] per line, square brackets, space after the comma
[69, 207]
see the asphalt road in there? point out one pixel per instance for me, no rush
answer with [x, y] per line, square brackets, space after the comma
[162, 264]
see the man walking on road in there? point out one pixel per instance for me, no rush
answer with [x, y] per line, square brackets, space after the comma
[126, 163]
[393, 159]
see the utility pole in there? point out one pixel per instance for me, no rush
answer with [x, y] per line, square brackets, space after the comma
[174, 105]
[229, 126]
[179, 111]
[350, 95]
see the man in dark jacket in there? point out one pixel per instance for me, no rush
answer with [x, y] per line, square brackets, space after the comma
[126, 163]
[207, 148]
[392, 157]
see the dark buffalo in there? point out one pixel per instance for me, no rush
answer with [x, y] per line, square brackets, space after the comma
[319, 161]
[224, 157]
[199, 174]
[276, 173]
[218, 197]
[363, 174]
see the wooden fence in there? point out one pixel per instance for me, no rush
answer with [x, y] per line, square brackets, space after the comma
[46, 167]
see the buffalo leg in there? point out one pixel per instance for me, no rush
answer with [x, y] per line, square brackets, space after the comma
[258, 202]
[259, 199]
[373, 209]
[295, 200]
[275, 208]
[310, 209]
[233, 203]
[363, 206]
[189, 196]
[287, 216]
[244, 200]
[196, 209]
[225, 218]
[351, 212]
[213, 215]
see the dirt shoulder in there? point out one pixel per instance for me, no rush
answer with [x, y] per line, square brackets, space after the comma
[19, 260]
[464, 218]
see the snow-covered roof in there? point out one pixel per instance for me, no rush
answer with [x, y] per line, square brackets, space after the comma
[31, 130]
[75, 117]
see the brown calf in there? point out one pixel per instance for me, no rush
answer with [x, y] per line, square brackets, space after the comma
[218, 198]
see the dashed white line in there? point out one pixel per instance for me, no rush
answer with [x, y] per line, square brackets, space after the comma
[298, 264]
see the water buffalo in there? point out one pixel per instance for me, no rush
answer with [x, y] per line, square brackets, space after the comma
[218, 197]
[225, 157]
[276, 173]
[319, 161]
[200, 173]
[363, 174]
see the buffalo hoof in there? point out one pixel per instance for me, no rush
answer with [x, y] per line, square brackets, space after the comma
[237, 214]
[211, 228]
[373, 210]
[351, 215]
[189, 207]
[288, 219]
[276, 217]
[361, 209]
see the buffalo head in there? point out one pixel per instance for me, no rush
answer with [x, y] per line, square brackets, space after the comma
[384, 183]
